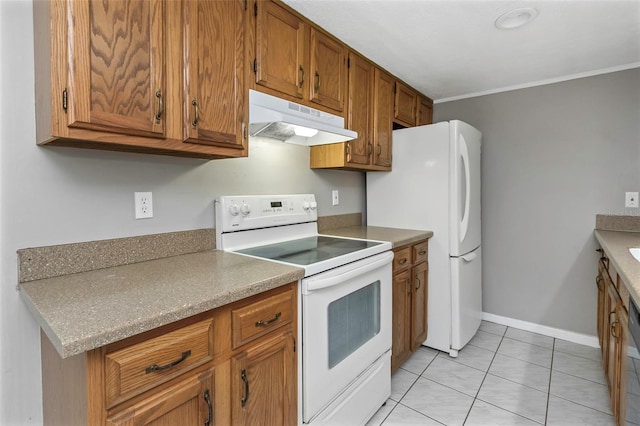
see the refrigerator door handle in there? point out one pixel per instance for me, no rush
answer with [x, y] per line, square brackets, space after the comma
[464, 155]
[469, 257]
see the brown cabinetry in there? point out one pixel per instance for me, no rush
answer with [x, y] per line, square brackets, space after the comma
[410, 297]
[425, 111]
[109, 76]
[613, 334]
[405, 105]
[212, 368]
[296, 59]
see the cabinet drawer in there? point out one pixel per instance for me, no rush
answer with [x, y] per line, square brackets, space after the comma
[141, 366]
[401, 259]
[259, 318]
[420, 252]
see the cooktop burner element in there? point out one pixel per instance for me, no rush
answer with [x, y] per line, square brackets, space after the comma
[305, 251]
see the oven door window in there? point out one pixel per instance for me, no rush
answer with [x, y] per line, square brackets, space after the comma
[353, 320]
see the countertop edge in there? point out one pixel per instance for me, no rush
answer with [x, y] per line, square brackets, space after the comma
[398, 237]
[622, 260]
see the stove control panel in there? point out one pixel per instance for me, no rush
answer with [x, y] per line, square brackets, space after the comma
[244, 212]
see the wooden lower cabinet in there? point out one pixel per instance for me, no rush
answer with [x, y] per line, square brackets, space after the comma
[613, 334]
[410, 296]
[185, 373]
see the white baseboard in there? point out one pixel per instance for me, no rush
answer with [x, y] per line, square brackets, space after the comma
[558, 333]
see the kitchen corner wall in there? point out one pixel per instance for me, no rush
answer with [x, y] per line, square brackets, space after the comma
[553, 157]
[52, 195]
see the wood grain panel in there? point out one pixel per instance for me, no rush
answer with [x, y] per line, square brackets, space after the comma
[360, 115]
[382, 126]
[328, 70]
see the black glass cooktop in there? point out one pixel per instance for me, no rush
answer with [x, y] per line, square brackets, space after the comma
[306, 251]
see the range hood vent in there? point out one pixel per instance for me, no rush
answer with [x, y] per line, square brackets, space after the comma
[276, 118]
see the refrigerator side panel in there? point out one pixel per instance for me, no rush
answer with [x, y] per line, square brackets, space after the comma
[465, 233]
[415, 195]
[466, 296]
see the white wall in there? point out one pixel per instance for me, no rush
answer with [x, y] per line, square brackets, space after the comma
[554, 156]
[55, 195]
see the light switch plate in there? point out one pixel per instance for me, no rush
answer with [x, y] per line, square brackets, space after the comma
[631, 199]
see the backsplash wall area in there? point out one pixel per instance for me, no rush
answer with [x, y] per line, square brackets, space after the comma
[52, 196]
[554, 157]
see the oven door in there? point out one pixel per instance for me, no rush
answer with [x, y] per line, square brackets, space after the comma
[346, 327]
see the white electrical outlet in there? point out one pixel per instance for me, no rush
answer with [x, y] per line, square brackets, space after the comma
[335, 197]
[631, 199]
[144, 205]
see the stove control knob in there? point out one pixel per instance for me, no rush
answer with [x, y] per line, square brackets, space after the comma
[245, 209]
[314, 205]
[306, 205]
[234, 209]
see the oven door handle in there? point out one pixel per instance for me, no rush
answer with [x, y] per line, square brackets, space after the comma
[320, 282]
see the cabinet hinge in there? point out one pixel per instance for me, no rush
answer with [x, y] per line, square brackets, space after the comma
[255, 9]
[65, 100]
[395, 87]
[348, 62]
[245, 4]
[255, 65]
[294, 345]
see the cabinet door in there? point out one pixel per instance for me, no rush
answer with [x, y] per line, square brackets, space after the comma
[328, 66]
[190, 402]
[382, 122]
[214, 83]
[360, 111]
[280, 49]
[264, 383]
[425, 111]
[612, 345]
[116, 79]
[401, 314]
[406, 101]
[600, 284]
[419, 305]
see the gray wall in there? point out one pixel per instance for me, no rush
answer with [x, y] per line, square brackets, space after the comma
[60, 195]
[554, 156]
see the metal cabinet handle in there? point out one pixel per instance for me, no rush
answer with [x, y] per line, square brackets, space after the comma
[196, 117]
[207, 399]
[369, 148]
[262, 323]
[409, 286]
[379, 150]
[598, 279]
[156, 367]
[317, 85]
[419, 282]
[614, 328]
[301, 69]
[243, 376]
[160, 106]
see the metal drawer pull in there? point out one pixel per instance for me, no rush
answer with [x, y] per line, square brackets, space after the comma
[160, 106]
[207, 399]
[262, 323]
[196, 117]
[422, 253]
[245, 398]
[156, 367]
[402, 261]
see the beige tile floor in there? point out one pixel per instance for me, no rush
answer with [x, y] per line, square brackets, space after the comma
[504, 376]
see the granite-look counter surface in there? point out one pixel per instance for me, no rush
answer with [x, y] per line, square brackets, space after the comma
[616, 244]
[396, 236]
[86, 310]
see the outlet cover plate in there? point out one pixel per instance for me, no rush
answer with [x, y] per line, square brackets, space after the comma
[631, 199]
[143, 205]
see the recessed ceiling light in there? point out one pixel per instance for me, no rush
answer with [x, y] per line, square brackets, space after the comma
[516, 18]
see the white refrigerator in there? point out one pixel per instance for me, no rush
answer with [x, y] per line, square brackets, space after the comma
[435, 186]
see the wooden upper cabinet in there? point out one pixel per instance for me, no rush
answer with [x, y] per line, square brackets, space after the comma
[280, 49]
[360, 110]
[328, 70]
[214, 92]
[383, 126]
[406, 101]
[116, 66]
[425, 111]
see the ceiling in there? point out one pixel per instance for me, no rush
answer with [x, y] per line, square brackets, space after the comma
[451, 49]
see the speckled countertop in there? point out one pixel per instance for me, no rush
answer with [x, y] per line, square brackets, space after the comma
[616, 244]
[397, 236]
[86, 310]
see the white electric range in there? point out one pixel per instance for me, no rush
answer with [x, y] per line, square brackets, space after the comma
[344, 301]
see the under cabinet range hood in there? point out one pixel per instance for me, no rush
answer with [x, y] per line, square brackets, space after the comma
[275, 118]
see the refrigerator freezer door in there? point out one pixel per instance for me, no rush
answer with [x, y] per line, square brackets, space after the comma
[466, 298]
[465, 145]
